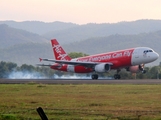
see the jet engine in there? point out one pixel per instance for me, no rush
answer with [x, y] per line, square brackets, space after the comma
[102, 67]
[136, 68]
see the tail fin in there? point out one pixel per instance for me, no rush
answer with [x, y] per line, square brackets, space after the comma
[59, 52]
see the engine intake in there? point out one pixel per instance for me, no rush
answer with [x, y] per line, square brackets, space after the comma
[102, 67]
[133, 69]
[136, 68]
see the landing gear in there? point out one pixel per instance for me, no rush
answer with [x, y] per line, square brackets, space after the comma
[144, 71]
[94, 76]
[117, 76]
[141, 67]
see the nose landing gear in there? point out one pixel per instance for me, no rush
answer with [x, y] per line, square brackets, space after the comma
[141, 67]
[144, 71]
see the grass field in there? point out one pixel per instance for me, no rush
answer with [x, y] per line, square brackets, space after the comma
[77, 102]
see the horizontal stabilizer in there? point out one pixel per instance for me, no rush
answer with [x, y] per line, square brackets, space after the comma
[45, 59]
[49, 65]
[43, 64]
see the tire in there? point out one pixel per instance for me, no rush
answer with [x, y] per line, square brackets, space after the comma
[94, 76]
[144, 71]
[117, 76]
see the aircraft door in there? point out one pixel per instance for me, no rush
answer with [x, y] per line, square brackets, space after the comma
[136, 53]
[135, 57]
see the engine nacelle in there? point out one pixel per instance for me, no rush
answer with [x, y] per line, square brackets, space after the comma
[102, 67]
[134, 69]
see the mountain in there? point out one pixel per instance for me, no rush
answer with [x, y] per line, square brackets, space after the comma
[87, 31]
[116, 42]
[25, 47]
[39, 27]
[68, 32]
[10, 36]
[30, 53]
[27, 53]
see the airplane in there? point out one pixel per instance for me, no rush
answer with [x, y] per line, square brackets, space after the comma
[132, 60]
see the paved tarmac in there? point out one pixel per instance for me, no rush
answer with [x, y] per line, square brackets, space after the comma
[78, 81]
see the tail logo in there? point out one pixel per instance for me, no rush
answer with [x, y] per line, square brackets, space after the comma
[59, 50]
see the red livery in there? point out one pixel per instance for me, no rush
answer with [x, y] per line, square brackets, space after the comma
[132, 60]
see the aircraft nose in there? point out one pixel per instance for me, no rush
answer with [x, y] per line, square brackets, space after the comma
[156, 56]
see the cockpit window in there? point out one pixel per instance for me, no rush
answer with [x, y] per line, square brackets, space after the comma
[146, 51]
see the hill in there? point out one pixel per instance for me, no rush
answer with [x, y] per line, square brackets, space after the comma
[91, 30]
[10, 36]
[69, 32]
[116, 42]
[30, 52]
[24, 47]
[39, 27]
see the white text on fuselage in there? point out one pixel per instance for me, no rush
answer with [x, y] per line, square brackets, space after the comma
[106, 56]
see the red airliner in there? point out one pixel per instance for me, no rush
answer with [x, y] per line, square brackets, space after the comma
[132, 60]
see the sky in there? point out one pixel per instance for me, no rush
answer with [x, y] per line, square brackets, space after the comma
[80, 11]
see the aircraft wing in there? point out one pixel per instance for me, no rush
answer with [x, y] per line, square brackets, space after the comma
[87, 64]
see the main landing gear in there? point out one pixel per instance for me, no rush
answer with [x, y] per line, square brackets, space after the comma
[117, 76]
[94, 76]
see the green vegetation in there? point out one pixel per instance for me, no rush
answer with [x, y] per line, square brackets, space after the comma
[6, 68]
[113, 102]
[77, 54]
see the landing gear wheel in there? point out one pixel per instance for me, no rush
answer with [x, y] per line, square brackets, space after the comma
[94, 76]
[144, 71]
[117, 76]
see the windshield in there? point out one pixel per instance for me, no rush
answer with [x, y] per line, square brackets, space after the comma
[146, 51]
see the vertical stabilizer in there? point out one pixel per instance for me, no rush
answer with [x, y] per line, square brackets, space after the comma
[59, 52]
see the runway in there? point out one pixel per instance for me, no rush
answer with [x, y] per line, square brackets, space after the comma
[78, 81]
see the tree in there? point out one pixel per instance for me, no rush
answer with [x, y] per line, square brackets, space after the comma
[26, 67]
[6, 68]
[154, 71]
[77, 54]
